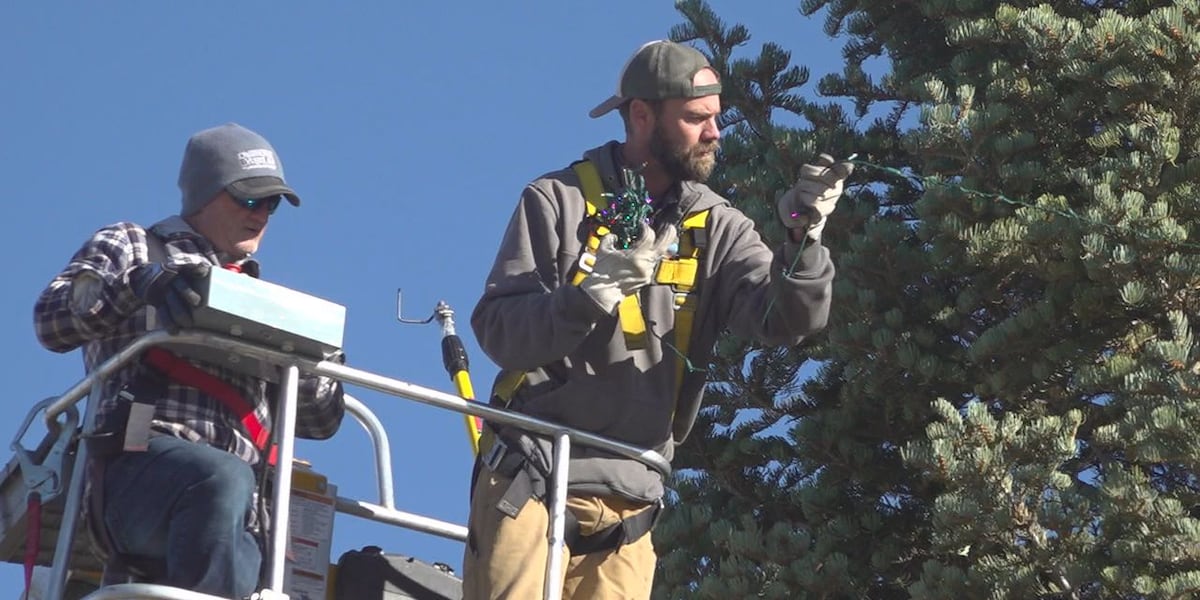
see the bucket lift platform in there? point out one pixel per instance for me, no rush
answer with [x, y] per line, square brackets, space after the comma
[278, 333]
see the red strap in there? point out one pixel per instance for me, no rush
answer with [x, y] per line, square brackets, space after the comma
[185, 373]
[33, 536]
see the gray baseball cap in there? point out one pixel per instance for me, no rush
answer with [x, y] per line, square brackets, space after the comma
[659, 70]
[232, 158]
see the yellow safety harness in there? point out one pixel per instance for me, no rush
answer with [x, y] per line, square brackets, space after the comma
[679, 271]
[529, 479]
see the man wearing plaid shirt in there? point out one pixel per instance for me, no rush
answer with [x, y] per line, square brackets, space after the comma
[183, 501]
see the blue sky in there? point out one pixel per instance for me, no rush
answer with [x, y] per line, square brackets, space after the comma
[409, 129]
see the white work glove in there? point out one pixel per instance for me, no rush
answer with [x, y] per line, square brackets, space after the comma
[815, 195]
[619, 273]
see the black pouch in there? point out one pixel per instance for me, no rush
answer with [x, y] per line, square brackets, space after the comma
[109, 437]
[125, 427]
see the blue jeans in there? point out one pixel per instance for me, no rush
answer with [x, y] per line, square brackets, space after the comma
[185, 503]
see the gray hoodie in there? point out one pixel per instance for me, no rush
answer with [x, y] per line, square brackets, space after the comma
[579, 372]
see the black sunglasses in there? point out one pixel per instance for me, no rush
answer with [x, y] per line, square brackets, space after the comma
[271, 203]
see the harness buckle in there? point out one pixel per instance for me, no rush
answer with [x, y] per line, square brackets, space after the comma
[495, 454]
[681, 298]
[586, 261]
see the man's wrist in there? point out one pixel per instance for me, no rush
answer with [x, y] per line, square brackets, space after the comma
[804, 236]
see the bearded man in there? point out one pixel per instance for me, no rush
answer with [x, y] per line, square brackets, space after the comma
[615, 276]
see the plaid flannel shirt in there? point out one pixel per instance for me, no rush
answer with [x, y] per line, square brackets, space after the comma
[104, 315]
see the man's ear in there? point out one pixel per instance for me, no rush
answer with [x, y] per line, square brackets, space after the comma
[641, 116]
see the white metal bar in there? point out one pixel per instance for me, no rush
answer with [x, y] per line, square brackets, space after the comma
[563, 438]
[552, 586]
[104, 370]
[365, 379]
[73, 499]
[400, 518]
[490, 413]
[383, 449]
[285, 424]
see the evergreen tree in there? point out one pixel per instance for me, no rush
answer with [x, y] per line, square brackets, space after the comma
[1008, 385]
[738, 529]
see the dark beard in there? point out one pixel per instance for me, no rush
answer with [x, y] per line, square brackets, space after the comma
[681, 163]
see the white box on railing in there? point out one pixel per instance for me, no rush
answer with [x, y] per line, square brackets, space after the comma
[267, 314]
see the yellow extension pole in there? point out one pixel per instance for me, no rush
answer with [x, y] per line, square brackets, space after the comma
[462, 382]
[454, 359]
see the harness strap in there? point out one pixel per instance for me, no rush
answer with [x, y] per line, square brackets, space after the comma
[590, 184]
[502, 393]
[681, 273]
[527, 483]
[633, 324]
[33, 536]
[625, 531]
[185, 373]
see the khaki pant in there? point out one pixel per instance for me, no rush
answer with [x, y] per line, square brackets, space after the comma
[506, 557]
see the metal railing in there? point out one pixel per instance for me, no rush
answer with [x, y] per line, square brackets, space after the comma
[385, 511]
